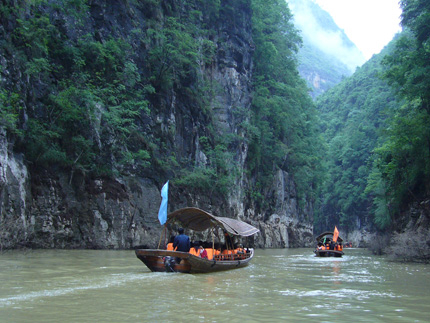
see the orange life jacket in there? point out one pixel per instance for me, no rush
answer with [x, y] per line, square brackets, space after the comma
[240, 252]
[194, 252]
[170, 247]
[210, 253]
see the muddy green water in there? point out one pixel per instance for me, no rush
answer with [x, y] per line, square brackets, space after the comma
[280, 285]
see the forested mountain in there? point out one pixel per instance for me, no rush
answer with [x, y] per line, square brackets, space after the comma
[102, 103]
[353, 114]
[376, 124]
[327, 54]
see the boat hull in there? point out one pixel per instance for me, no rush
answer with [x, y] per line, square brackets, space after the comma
[328, 253]
[159, 261]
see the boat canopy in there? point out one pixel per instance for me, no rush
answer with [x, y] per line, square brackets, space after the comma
[199, 220]
[328, 233]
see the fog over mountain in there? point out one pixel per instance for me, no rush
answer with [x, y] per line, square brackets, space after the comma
[327, 54]
[319, 28]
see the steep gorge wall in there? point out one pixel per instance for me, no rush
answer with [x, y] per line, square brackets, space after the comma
[53, 209]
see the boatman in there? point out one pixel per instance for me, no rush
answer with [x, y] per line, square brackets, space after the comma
[182, 241]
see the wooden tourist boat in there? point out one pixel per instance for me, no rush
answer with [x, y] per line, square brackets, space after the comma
[160, 260]
[327, 246]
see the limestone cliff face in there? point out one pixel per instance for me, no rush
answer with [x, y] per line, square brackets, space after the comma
[284, 226]
[53, 209]
[15, 196]
[407, 239]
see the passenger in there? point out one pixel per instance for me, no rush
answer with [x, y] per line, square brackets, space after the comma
[195, 249]
[203, 252]
[239, 249]
[227, 254]
[170, 244]
[209, 250]
[217, 251]
[198, 250]
[181, 243]
[210, 253]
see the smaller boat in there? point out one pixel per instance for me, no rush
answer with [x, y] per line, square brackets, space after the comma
[161, 260]
[329, 244]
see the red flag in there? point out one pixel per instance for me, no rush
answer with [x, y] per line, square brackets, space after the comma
[335, 234]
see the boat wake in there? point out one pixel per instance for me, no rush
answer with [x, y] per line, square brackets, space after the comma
[76, 287]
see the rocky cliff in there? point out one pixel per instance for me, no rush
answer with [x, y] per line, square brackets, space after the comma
[58, 207]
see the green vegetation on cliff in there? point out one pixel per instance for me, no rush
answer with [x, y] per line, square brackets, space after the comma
[285, 125]
[352, 114]
[91, 90]
[401, 168]
[79, 90]
[88, 88]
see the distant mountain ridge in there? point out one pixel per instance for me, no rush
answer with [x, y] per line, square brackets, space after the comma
[327, 55]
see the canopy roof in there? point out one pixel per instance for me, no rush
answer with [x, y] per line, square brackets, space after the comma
[199, 220]
[328, 233]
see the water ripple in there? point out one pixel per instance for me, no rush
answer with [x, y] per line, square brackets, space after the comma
[80, 285]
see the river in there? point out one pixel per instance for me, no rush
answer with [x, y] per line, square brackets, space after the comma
[279, 285]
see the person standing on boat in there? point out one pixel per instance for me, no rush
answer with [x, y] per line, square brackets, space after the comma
[182, 241]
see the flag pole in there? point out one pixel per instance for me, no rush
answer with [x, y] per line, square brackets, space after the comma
[161, 235]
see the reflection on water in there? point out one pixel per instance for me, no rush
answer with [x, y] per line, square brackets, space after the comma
[282, 284]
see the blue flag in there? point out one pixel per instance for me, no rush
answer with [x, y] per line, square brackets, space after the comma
[162, 213]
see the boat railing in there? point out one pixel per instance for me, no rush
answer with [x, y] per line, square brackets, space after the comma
[232, 257]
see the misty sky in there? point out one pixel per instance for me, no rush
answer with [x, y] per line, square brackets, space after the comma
[327, 38]
[369, 24]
